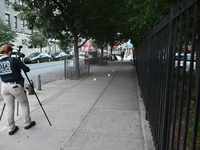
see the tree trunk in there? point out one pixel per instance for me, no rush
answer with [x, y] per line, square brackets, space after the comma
[101, 60]
[111, 49]
[76, 57]
[198, 51]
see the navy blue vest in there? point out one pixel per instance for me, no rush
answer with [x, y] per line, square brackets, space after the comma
[10, 69]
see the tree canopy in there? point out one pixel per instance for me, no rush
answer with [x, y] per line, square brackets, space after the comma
[37, 40]
[7, 35]
[109, 24]
[65, 44]
[78, 19]
[107, 21]
[146, 14]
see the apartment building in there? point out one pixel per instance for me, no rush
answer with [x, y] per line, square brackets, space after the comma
[12, 18]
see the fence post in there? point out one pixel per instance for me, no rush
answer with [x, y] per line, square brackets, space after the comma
[169, 76]
[65, 69]
[148, 75]
[197, 107]
[88, 64]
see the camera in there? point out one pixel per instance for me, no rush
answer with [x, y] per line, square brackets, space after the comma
[19, 48]
[19, 54]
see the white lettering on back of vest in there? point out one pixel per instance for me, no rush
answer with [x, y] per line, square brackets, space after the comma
[5, 67]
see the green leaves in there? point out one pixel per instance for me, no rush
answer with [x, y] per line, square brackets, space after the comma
[146, 14]
[78, 18]
[94, 18]
[7, 35]
[37, 40]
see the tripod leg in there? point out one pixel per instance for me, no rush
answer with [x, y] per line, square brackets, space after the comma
[2, 111]
[17, 108]
[37, 98]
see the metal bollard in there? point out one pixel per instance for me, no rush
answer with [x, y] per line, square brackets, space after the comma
[38, 82]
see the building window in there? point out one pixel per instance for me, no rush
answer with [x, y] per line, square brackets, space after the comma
[6, 2]
[22, 24]
[15, 22]
[7, 19]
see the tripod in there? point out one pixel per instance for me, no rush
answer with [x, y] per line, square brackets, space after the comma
[36, 97]
[2, 111]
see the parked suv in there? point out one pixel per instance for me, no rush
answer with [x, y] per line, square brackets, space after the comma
[92, 57]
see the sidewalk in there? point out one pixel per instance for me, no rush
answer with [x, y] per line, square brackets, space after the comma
[105, 114]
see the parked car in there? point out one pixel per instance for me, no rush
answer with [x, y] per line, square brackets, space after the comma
[106, 55]
[37, 58]
[92, 57]
[59, 56]
[70, 54]
[81, 54]
[188, 58]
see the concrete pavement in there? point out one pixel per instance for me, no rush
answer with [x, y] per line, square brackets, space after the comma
[106, 114]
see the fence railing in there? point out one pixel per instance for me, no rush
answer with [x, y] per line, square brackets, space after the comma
[70, 68]
[167, 64]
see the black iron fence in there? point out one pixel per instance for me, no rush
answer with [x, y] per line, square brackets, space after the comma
[70, 68]
[167, 64]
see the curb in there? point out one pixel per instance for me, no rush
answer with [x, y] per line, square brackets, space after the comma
[147, 135]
